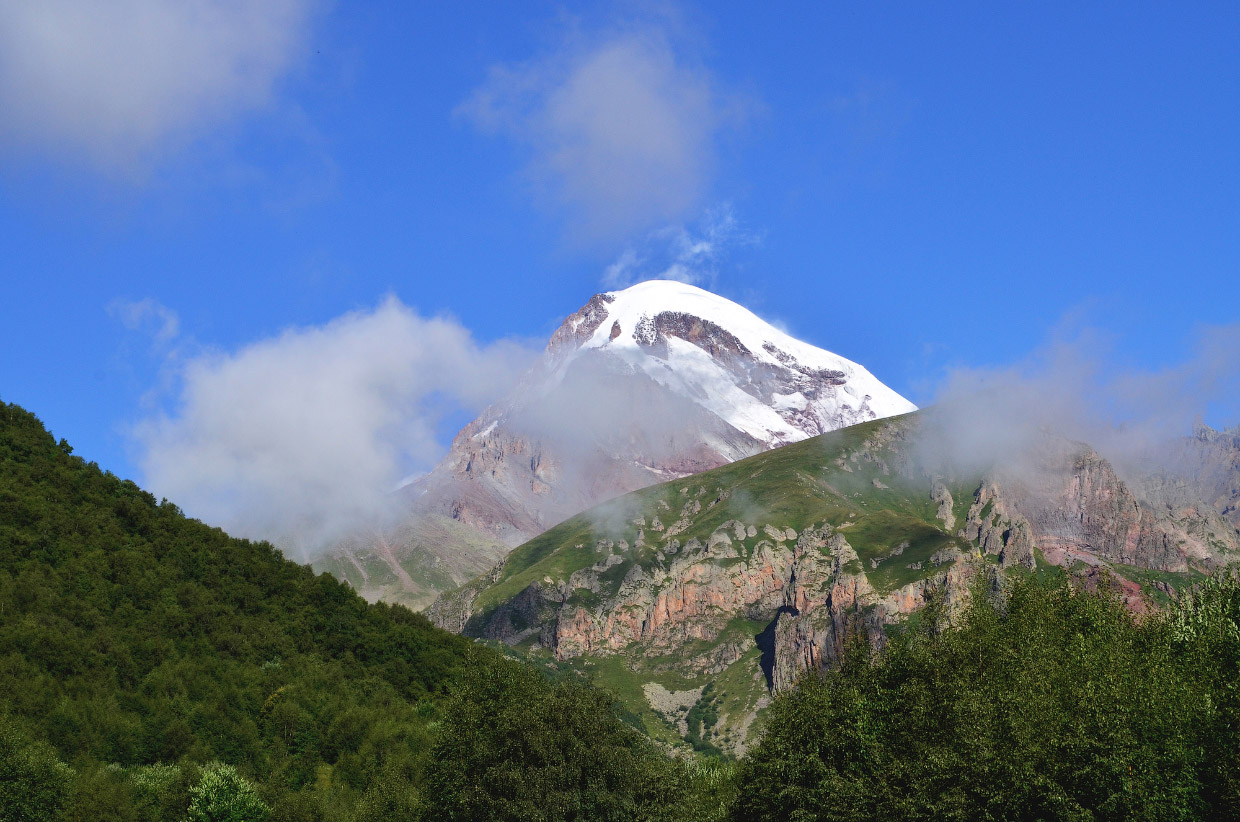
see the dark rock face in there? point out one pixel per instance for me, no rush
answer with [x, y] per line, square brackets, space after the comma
[580, 326]
[653, 332]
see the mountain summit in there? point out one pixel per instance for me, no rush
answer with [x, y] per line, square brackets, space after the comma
[758, 379]
[651, 383]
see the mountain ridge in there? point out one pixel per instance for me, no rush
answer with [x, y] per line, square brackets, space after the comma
[751, 573]
[639, 386]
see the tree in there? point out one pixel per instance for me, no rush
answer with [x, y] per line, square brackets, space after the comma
[34, 783]
[515, 746]
[1044, 703]
[223, 795]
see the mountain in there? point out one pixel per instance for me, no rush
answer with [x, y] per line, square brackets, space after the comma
[702, 596]
[655, 382]
[155, 668]
[1211, 461]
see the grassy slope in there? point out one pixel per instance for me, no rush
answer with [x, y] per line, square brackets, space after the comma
[781, 479]
[795, 486]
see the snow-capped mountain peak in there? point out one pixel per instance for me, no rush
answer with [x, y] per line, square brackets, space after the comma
[651, 383]
[757, 378]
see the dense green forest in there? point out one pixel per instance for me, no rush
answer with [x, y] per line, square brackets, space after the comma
[154, 668]
[1041, 703]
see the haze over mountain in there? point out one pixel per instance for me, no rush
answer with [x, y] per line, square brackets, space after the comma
[639, 386]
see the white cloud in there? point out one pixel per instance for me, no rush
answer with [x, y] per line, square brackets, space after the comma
[150, 316]
[118, 82]
[688, 254]
[1073, 387]
[302, 437]
[621, 132]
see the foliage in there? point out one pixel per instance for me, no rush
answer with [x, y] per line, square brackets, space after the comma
[1206, 628]
[224, 796]
[137, 645]
[1042, 703]
[34, 783]
[517, 746]
[702, 717]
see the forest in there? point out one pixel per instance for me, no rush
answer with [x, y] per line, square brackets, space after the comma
[155, 668]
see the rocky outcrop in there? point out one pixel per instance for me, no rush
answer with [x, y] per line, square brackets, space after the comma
[810, 586]
[1209, 462]
[580, 325]
[690, 592]
[946, 504]
[997, 529]
[1079, 509]
[827, 598]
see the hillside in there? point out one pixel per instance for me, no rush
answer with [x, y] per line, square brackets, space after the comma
[698, 598]
[142, 645]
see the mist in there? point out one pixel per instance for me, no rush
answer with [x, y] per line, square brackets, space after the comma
[1074, 388]
[300, 439]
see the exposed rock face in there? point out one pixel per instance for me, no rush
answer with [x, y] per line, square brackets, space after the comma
[1080, 510]
[1209, 462]
[998, 530]
[824, 599]
[581, 325]
[693, 593]
[637, 387]
[810, 587]
[947, 504]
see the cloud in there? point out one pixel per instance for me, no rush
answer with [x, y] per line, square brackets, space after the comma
[149, 316]
[1073, 387]
[621, 131]
[687, 254]
[119, 82]
[302, 437]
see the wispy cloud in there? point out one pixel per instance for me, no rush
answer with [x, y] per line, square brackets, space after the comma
[302, 437]
[116, 84]
[149, 316]
[620, 128]
[686, 253]
[1073, 387]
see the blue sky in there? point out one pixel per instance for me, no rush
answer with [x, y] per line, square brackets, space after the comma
[919, 187]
